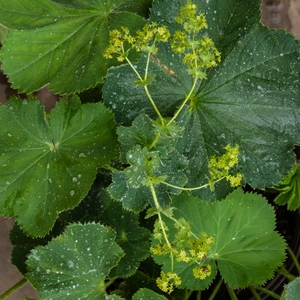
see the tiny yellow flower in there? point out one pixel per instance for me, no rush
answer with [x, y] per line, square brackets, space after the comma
[202, 272]
[167, 281]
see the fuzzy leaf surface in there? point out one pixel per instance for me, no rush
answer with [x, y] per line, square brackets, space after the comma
[246, 248]
[64, 39]
[292, 290]
[48, 165]
[75, 264]
[251, 98]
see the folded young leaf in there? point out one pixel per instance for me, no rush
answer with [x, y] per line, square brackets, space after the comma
[246, 249]
[59, 43]
[48, 166]
[76, 264]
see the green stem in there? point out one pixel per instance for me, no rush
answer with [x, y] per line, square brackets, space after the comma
[184, 102]
[216, 289]
[133, 68]
[254, 293]
[198, 296]
[231, 293]
[190, 189]
[190, 93]
[146, 88]
[154, 141]
[13, 288]
[158, 208]
[266, 291]
[294, 258]
[187, 294]
[282, 270]
[162, 120]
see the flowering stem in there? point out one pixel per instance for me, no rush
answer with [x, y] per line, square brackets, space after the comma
[190, 93]
[146, 87]
[190, 189]
[133, 68]
[184, 102]
[13, 289]
[158, 208]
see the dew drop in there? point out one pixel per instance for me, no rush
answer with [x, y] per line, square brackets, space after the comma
[72, 193]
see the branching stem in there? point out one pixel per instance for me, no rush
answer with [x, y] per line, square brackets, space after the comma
[162, 120]
[189, 94]
[158, 208]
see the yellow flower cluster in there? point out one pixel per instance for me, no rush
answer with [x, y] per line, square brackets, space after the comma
[202, 272]
[219, 166]
[196, 249]
[117, 39]
[167, 281]
[151, 33]
[199, 54]
[141, 42]
[185, 247]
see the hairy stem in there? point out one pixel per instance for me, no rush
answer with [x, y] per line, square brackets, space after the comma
[158, 208]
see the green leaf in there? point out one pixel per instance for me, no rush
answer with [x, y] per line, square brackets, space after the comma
[22, 244]
[289, 189]
[251, 98]
[134, 199]
[147, 294]
[246, 248]
[60, 43]
[133, 239]
[292, 290]
[48, 166]
[76, 264]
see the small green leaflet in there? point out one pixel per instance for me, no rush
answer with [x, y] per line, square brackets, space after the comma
[48, 166]
[76, 264]
[64, 39]
[246, 248]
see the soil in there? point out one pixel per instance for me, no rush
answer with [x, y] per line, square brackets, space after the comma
[275, 14]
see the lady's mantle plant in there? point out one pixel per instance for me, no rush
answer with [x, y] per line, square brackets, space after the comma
[206, 100]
